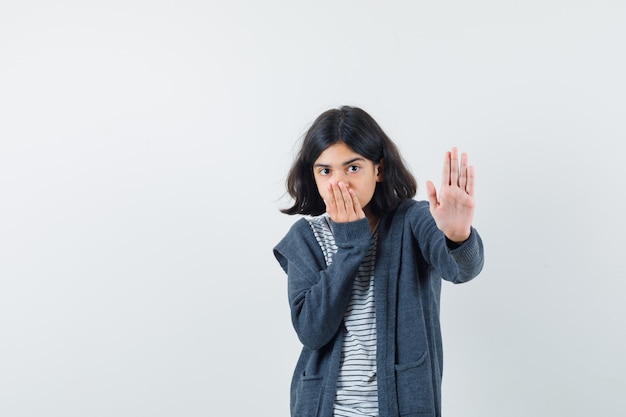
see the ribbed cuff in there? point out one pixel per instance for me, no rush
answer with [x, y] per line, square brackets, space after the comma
[351, 233]
[469, 249]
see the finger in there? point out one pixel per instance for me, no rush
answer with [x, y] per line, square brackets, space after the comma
[431, 193]
[463, 174]
[348, 200]
[331, 205]
[339, 203]
[356, 204]
[445, 173]
[454, 167]
[470, 181]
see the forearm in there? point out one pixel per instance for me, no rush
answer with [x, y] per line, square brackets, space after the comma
[455, 262]
[468, 257]
[317, 310]
[318, 302]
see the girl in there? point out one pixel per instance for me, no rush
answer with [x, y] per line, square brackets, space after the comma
[364, 270]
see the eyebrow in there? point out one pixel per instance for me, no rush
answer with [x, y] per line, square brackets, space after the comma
[358, 158]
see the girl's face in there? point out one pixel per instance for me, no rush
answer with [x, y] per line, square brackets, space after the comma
[339, 163]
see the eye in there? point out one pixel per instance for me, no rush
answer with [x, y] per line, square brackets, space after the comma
[353, 168]
[324, 171]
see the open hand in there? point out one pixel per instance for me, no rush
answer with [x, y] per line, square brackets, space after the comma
[453, 208]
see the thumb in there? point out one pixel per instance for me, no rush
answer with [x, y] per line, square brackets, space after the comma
[431, 193]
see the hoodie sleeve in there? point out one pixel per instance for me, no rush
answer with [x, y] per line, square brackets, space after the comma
[319, 295]
[455, 263]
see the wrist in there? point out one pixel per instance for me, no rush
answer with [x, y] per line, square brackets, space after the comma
[458, 237]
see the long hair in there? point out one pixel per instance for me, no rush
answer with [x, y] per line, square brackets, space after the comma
[360, 132]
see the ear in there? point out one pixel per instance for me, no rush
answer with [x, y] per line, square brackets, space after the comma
[379, 171]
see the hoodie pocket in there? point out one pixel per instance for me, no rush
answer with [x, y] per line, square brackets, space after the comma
[415, 388]
[308, 396]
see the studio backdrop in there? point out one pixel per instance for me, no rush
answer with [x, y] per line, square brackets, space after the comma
[144, 148]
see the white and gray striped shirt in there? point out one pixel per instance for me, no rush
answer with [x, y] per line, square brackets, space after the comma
[357, 391]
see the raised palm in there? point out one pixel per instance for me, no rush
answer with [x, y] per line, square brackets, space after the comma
[453, 207]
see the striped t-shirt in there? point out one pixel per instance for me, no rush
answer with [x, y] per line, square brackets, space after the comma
[357, 391]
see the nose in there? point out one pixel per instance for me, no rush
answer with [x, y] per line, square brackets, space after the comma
[340, 176]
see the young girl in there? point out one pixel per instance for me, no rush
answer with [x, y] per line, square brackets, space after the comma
[365, 267]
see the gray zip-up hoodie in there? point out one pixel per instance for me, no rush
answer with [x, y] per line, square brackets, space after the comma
[412, 257]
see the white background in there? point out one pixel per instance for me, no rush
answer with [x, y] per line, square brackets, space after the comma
[143, 151]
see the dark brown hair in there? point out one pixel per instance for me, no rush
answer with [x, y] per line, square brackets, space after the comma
[360, 132]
